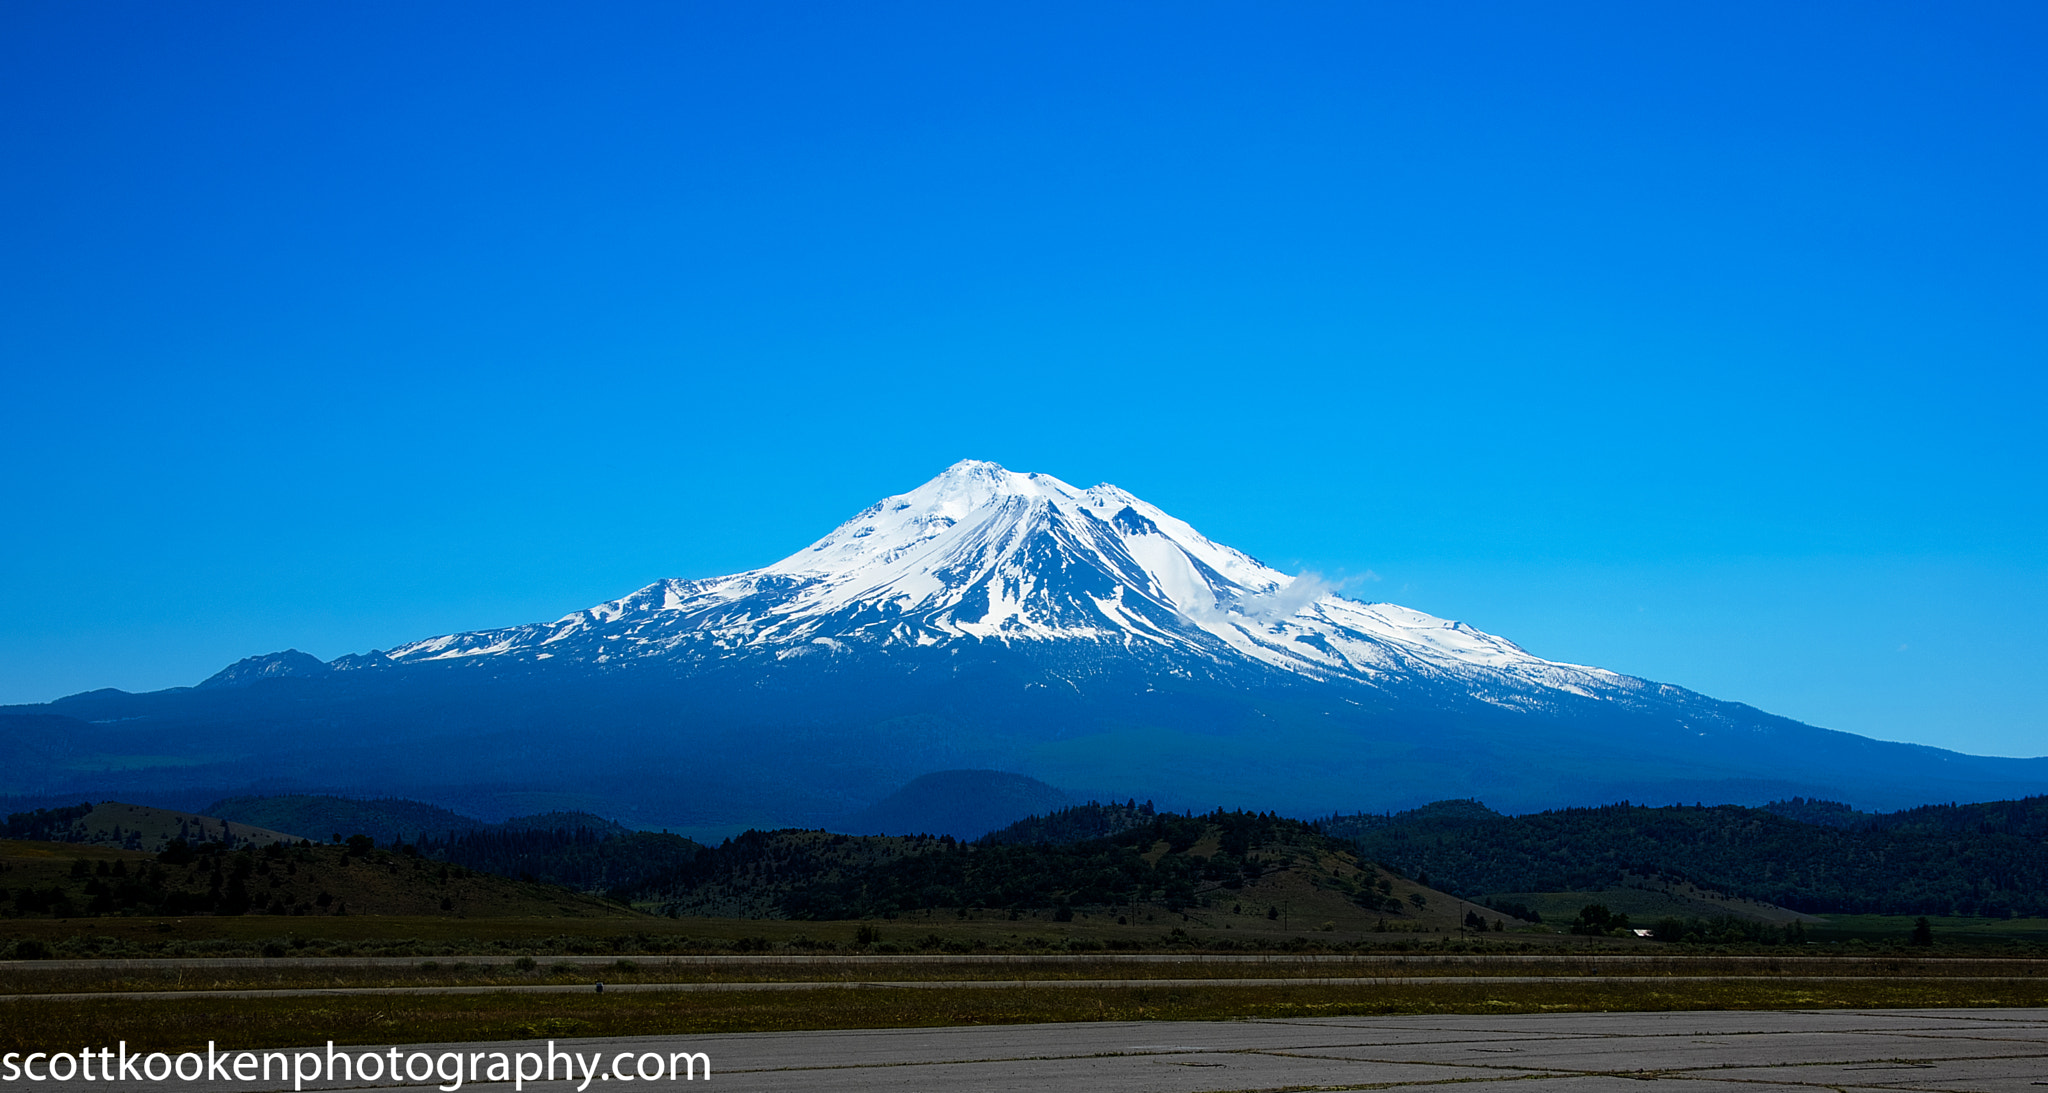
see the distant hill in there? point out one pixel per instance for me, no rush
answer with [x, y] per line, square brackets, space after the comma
[1226, 869]
[59, 880]
[2026, 818]
[965, 804]
[565, 821]
[756, 874]
[37, 741]
[390, 820]
[574, 849]
[586, 859]
[1976, 859]
[1824, 813]
[1076, 824]
[322, 817]
[134, 827]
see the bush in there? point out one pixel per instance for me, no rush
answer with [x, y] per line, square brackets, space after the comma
[31, 949]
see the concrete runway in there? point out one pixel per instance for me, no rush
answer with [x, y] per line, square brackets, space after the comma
[1851, 1051]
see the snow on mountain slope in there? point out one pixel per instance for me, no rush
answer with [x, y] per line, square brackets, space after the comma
[985, 554]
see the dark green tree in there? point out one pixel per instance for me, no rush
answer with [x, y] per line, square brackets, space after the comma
[1595, 920]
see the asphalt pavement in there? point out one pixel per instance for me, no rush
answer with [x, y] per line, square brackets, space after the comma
[1364, 982]
[1851, 1051]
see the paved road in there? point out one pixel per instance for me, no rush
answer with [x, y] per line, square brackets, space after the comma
[958, 984]
[1895, 1051]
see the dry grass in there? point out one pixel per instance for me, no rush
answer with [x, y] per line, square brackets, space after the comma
[612, 930]
[39, 978]
[255, 1023]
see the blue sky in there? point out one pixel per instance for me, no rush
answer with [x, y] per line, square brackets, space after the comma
[1699, 343]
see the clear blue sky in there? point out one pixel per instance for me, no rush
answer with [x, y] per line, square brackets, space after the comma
[1702, 342]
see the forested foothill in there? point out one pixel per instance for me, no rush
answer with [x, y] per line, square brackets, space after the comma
[134, 827]
[587, 859]
[1819, 857]
[1228, 868]
[820, 875]
[1754, 876]
[573, 849]
[302, 880]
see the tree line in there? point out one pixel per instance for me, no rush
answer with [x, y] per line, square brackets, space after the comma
[1975, 859]
[816, 876]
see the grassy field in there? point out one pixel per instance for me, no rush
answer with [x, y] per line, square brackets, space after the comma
[1949, 931]
[438, 923]
[601, 928]
[35, 977]
[1974, 963]
[1645, 903]
[174, 1025]
[610, 930]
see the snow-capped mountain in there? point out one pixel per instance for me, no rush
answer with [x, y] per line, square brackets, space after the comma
[986, 620]
[984, 554]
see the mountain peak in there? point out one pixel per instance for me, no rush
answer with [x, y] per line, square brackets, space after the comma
[982, 553]
[974, 483]
[288, 662]
[983, 469]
